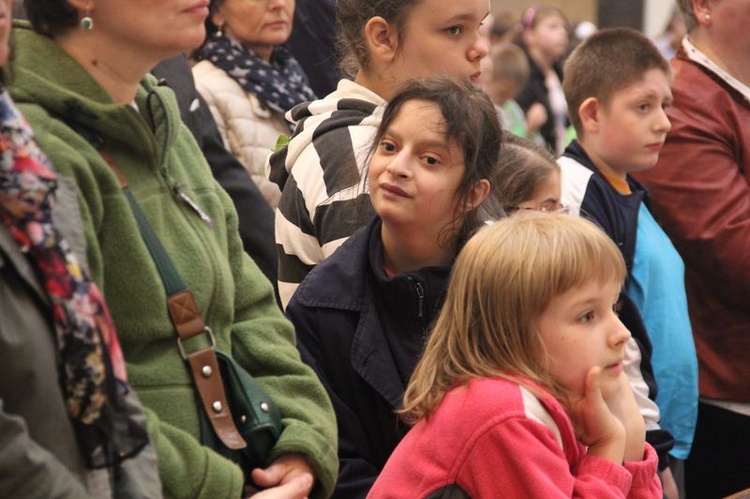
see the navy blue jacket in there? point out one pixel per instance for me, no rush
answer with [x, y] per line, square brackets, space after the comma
[590, 193]
[353, 325]
[313, 43]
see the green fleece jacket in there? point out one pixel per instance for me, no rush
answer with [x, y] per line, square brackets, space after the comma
[156, 153]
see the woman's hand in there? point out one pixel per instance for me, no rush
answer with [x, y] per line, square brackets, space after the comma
[296, 488]
[595, 424]
[289, 477]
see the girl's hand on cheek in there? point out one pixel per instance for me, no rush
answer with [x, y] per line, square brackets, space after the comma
[623, 405]
[595, 424]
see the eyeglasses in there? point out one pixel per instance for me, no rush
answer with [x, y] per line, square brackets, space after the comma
[545, 207]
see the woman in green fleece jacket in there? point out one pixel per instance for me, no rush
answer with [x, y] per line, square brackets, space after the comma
[79, 78]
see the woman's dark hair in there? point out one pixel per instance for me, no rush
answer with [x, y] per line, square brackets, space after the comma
[470, 121]
[51, 17]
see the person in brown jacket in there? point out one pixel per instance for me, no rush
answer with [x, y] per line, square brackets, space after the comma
[700, 194]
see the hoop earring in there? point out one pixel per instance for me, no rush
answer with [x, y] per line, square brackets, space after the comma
[87, 23]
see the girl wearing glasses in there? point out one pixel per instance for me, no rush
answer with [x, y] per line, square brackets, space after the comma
[527, 177]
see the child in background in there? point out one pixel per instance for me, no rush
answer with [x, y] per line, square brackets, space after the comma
[618, 86]
[325, 194]
[504, 27]
[521, 390]
[527, 177]
[362, 316]
[509, 74]
[544, 37]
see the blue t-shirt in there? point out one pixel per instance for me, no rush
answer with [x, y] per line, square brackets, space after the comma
[657, 286]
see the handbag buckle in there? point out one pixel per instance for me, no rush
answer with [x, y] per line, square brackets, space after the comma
[211, 339]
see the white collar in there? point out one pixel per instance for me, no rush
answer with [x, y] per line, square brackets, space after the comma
[694, 54]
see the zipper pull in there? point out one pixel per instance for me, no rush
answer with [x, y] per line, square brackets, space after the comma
[420, 295]
[177, 191]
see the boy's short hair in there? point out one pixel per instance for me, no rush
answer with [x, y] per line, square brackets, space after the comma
[509, 62]
[606, 62]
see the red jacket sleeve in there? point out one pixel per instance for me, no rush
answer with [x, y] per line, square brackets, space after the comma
[522, 458]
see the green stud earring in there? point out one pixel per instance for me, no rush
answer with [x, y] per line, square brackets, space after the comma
[87, 23]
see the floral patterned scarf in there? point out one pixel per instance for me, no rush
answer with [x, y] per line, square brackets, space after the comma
[91, 365]
[280, 85]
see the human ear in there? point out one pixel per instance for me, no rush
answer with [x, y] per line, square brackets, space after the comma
[82, 5]
[588, 112]
[702, 11]
[381, 39]
[478, 193]
[217, 18]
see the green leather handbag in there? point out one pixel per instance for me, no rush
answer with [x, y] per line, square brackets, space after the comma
[255, 415]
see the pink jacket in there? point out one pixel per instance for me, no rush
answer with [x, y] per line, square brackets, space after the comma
[494, 438]
[700, 194]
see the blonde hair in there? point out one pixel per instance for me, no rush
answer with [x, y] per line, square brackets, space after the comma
[502, 281]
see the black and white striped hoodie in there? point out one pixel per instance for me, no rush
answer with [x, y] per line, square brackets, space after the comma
[321, 173]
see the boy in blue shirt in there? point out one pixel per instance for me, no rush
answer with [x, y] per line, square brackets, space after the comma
[617, 88]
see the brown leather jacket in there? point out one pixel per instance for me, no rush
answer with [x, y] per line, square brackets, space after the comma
[700, 193]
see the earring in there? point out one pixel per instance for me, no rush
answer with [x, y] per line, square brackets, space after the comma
[707, 17]
[87, 23]
[220, 31]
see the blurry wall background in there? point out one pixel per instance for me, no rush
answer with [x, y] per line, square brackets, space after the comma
[649, 16]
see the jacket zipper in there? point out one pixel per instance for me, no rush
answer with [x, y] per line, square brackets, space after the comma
[177, 192]
[419, 289]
